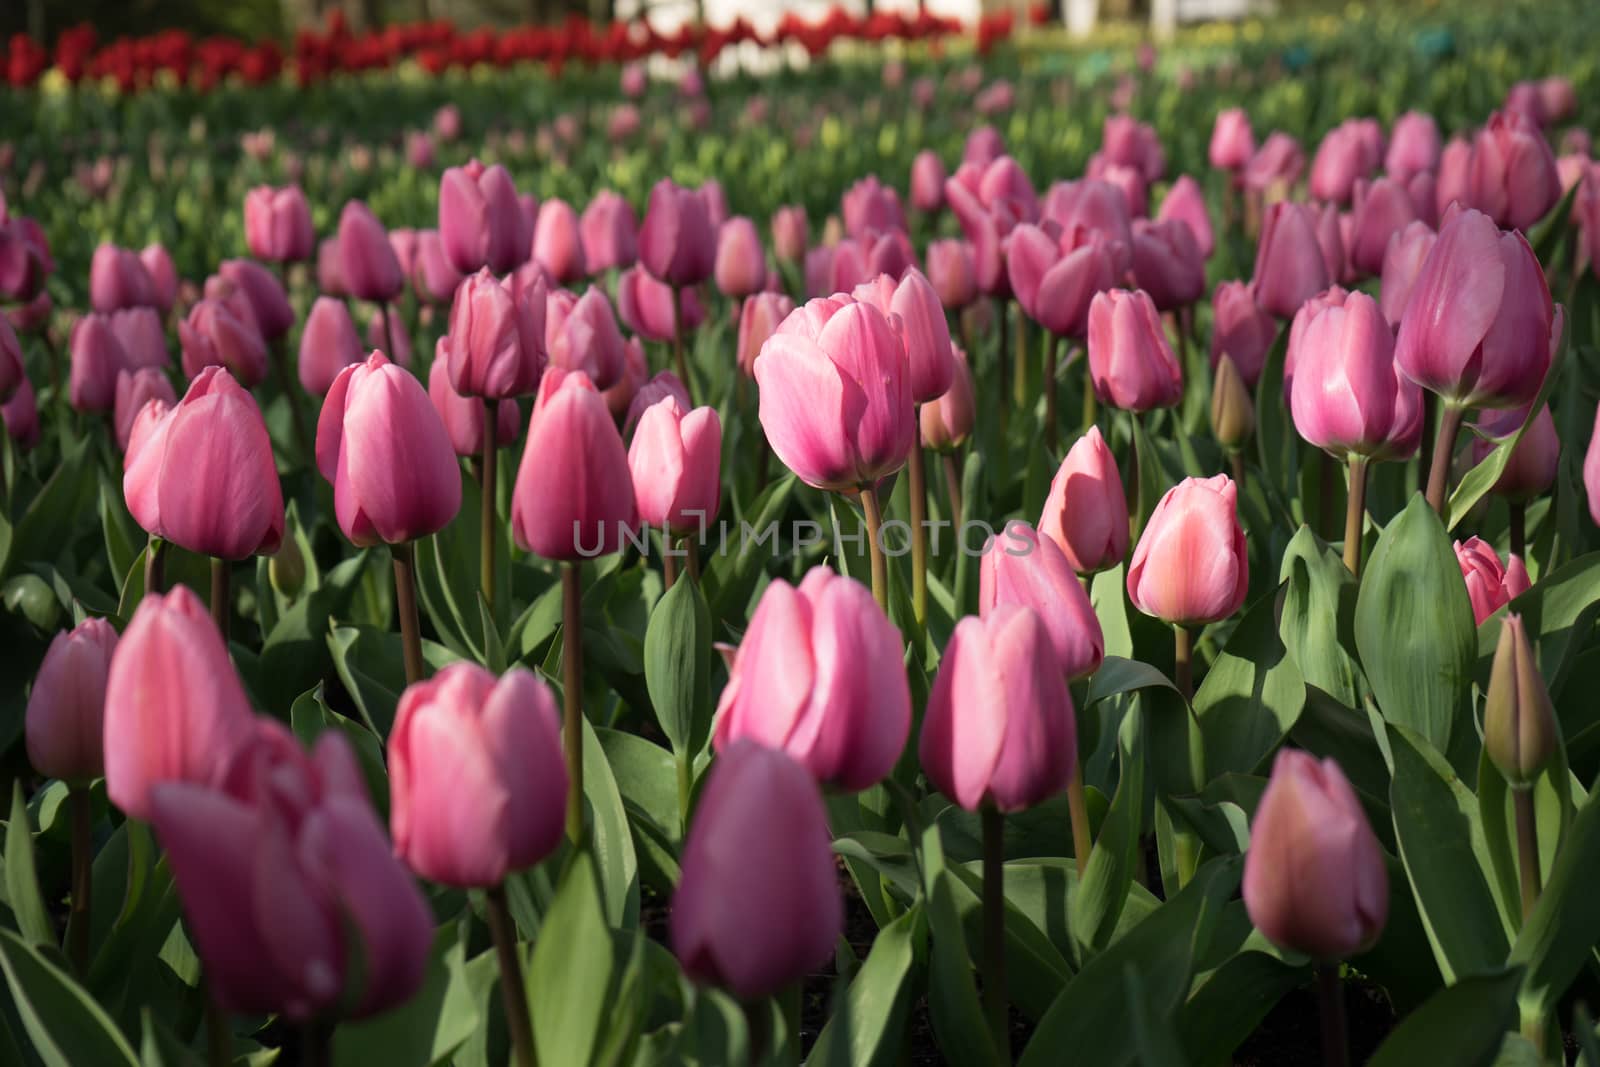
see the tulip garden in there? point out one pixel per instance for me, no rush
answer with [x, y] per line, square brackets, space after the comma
[932, 547]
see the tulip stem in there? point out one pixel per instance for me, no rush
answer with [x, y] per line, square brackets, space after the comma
[488, 513]
[1325, 494]
[316, 1044]
[1519, 529]
[1052, 361]
[297, 411]
[1355, 511]
[1236, 464]
[1019, 384]
[918, 489]
[691, 559]
[952, 484]
[1000, 364]
[388, 334]
[572, 694]
[669, 562]
[1186, 842]
[679, 362]
[1078, 808]
[880, 567]
[685, 762]
[1527, 848]
[219, 596]
[513, 994]
[219, 1035]
[1335, 1040]
[82, 877]
[155, 565]
[1443, 448]
[405, 602]
[1090, 409]
[994, 932]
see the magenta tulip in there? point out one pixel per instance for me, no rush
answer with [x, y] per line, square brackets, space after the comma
[740, 267]
[1130, 143]
[1241, 330]
[480, 220]
[64, 725]
[368, 267]
[1414, 146]
[143, 338]
[1290, 268]
[96, 359]
[1511, 176]
[869, 207]
[647, 306]
[1402, 263]
[135, 389]
[1382, 209]
[581, 334]
[1056, 279]
[1190, 566]
[1167, 263]
[261, 287]
[1130, 359]
[1345, 155]
[663, 385]
[463, 415]
[433, 277]
[214, 336]
[678, 242]
[1276, 166]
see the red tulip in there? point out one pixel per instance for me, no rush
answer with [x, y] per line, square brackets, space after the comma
[1190, 566]
[65, 719]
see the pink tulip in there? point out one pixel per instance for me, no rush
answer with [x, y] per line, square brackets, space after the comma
[986, 232]
[581, 334]
[1232, 140]
[293, 899]
[1346, 396]
[201, 474]
[1591, 471]
[64, 723]
[13, 374]
[463, 415]
[1402, 263]
[1022, 566]
[1127, 142]
[837, 268]
[1277, 164]
[819, 676]
[890, 253]
[20, 416]
[1129, 183]
[163, 275]
[574, 496]
[1344, 155]
[1478, 326]
[1491, 585]
[1413, 146]
[610, 232]
[1290, 268]
[928, 176]
[790, 233]
[740, 268]
[1455, 172]
[1424, 190]
[478, 785]
[405, 243]
[1531, 470]
[922, 327]
[142, 337]
[386, 332]
[135, 389]
[175, 710]
[665, 384]
[277, 224]
[1512, 173]
[1185, 202]
[447, 123]
[213, 336]
[1167, 263]
[119, 279]
[498, 339]
[557, 242]
[999, 727]
[1241, 330]
[433, 277]
[330, 269]
[1558, 98]
[368, 266]
[261, 287]
[953, 273]
[983, 146]
[1331, 229]
[24, 259]
[947, 420]
[1524, 100]
[675, 462]
[760, 823]
[759, 318]
[678, 241]
[328, 344]
[1086, 511]
[1190, 565]
[1130, 359]
[869, 206]
[1055, 279]
[1314, 877]
[96, 360]
[836, 394]
[1382, 209]
[480, 220]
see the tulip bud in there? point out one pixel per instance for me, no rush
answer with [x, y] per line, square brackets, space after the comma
[790, 234]
[65, 718]
[759, 318]
[328, 344]
[1232, 141]
[581, 334]
[999, 727]
[557, 242]
[1020, 566]
[927, 181]
[277, 224]
[947, 420]
[1242, 331]
[367, 264]
[1086, 511]
[1130, 359]
[264, 292]
[119, 279]
[678, 241]
[923, 328]
[1197, 519]
[480, 220]
[1185, 202]
[1314, 874]
[1511, 176]
[330, 269]
[676, 466]
[497, 338]
[1520, 731]
[1290, 268]
[214, 336]
[20, 416]
[163, 275]
[96, 360]
[1413, 146]
[646, 306]
[952, 272]
[286, 570]
[135, 389]
[1402, 262]
[1345, 393]
[740, 268]
[1233, 414]
[1167, 263]
[1275, 167]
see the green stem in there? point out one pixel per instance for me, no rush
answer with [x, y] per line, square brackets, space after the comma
[513, 994]
[572, 695]
[1078, 809]
[1355, 511]
[952, 484]
[995, 1004]
[1019, 383]
[155, 565]
[291, 391]
[1091, 410]
[880, 566]
[488, 513]
[82, 877]
[1527, 849]
[1335, 1037]
[918, 489]
[1052, 360]
[1519, 529]
[1186, 842]
[678, 359]
[1443, 448]
[685, 764]
[219, 596]
[219, 1035]
[405, 602]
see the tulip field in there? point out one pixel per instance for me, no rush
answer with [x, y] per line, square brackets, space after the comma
[882, 541]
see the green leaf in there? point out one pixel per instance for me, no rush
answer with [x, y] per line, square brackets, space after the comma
[868, 1022]
[571, 970]
[1110, 600]
[1117, 676]
[958, 1020]
[1152, 479]
[610, 838]
[1317, 621]
[161, 1047]
[1415, 633]
[731, 577]
[65, 1025]
[37, 537]
[1251, 697]
[677, 666]
[124, 540]
[1231, 1003]
[1557, 614]
[437, 1020]
[22, 878]
[1156, 1044]
[1434, 820]
[1097, 903]
[296, 654]
[1462, 1025]
[1556, 940]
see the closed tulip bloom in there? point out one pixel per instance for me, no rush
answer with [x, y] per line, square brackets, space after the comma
[946, 421]
[1478, 327]
[1344, 155]
[1512, 173]
[983, 145]
[462, 415]
[1591, 471]
[986, 232]
[790, 233]
[1086, 511]
[581, 334]
[1233, 413]
[676, 464]
[953, 272]
[760, 822]
[1054, 279]
[328, 344]
[1241, 330]
[1232, 140]
[1531, 470]
[1345, 394]
[143, 338]
[119, 279]
[19, 416]
[1190, 565]
[13, 374]
[261, 287]
[1491, 585]
[869, 206]
[404, 242]
[557, 242]
[1520, 731]
[135, 389]
[574, 496]
[480, 219]
[478, 785]
[759, 318]
[819, 675]
[1167, 263]
[1413, 146]
[610, 232]
[1130, 359]
[740, 267]
[175, 709]
[1290, 268]
[646, 306]
[201, 474]
[1424, 190]
[836, 394]
[1097, 207]
[369, 269]
[1332, 227]
[213, 336]
[498, 338]
[1314, 876]
[999, 727]
[1382, 209]
[1402, 263]
[1455, 171]
[96, 360]
[383, 448]
[1022, 566]
[1276, 166]
[433, 277]
[678, 242]
[663, 385]
[24, 260]
[330, 269]
[277, 224]
[1130, 184]
[928, 176]
[1185, 202]
[293, 898]
[1128, 142]
[163, 274]
[64, 724]
[923, 328]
